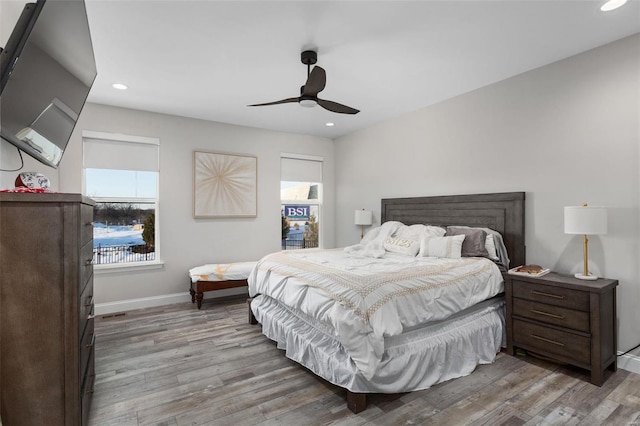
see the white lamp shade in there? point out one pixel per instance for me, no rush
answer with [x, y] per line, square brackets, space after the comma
[585, 220]
[363, 217]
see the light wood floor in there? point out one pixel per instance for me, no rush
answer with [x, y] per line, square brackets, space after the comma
[175, 365]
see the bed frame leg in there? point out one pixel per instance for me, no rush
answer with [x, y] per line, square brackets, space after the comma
[252, 318]
[356, 402]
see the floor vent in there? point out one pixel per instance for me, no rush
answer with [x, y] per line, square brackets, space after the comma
[119, 314]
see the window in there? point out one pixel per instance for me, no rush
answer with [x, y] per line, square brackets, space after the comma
[121, 176]
[301, 201]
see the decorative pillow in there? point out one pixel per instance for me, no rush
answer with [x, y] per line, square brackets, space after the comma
[449, 247]
[401, 246]
[474, 242]
[501, 256]
[490, 245]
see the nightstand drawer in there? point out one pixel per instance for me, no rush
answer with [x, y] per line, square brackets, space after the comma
[570, 318]
[572, 347]
[552, 295]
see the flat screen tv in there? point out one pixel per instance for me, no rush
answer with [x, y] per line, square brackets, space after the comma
[46, 71]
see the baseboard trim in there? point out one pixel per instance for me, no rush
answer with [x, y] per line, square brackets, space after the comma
[629, 362]
[165, 299]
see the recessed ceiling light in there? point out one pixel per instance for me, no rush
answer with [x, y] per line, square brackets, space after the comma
[329, 124]
[612, 4]
[119, 86]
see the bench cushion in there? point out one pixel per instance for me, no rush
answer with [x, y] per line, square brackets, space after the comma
[222, 271]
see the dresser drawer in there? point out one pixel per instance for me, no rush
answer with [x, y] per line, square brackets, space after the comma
[86, 306]
[86, 224]
[86, 392]
[570, 318]
[86, 265]
[568, 346]
[552, 295]
[86, 347]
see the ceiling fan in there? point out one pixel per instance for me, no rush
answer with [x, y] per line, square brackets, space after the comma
[316, 80]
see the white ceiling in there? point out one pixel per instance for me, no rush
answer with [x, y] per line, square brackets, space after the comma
[209, 59]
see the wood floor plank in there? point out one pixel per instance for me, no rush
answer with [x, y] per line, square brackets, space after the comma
[480, 402]
[542, 393]
[628, 392]
[560, 416]
[600, 413]
[177, 365]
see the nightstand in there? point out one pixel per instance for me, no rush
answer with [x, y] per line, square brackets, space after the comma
[564, 319]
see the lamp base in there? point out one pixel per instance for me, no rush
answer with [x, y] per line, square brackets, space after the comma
[586, 277]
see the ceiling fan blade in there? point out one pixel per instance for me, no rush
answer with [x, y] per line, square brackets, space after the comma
[336, 107]
[316, 82]
[283, 101]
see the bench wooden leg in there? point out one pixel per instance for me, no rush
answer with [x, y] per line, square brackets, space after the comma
[199, 297]
[193, 294]
[356, 402]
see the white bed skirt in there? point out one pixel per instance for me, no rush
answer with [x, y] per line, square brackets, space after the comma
[414, 360]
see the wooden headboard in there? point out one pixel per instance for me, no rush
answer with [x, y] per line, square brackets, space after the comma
[503, 212]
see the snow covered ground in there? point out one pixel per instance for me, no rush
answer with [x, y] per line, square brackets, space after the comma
[111, 244]
[115, 235]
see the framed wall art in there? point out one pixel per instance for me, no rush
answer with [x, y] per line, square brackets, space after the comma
[224, 185]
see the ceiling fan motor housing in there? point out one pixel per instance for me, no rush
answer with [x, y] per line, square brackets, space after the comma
[309, 57]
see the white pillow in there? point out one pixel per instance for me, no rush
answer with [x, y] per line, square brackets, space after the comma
[416, 232]
[404, 246]
[435, 231]
[490, 245]
[449, 247]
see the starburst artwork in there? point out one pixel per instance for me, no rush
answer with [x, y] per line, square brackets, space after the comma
[225, 185]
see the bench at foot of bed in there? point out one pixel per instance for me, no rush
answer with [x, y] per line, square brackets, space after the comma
[217, 276]
[198, 288]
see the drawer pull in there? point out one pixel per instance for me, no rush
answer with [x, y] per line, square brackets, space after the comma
[547, 340]
[540, 293]
[547, 314]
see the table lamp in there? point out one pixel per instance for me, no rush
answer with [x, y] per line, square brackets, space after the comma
[585, 220]
[363, 218]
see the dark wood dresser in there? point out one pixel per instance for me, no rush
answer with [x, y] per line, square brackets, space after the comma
[565, 319]
[46, 309]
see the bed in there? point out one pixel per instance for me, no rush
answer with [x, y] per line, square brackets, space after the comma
[394, 323]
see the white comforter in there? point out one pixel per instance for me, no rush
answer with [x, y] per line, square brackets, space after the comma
[367, 299]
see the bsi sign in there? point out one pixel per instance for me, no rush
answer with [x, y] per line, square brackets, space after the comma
[297, 212]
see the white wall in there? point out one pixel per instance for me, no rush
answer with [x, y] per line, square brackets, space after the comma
[566, 133]
[187, 242]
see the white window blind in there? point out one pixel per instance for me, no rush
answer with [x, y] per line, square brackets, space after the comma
[120, 155]
[300, 170]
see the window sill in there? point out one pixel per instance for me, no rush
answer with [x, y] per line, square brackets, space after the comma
[127, 267]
